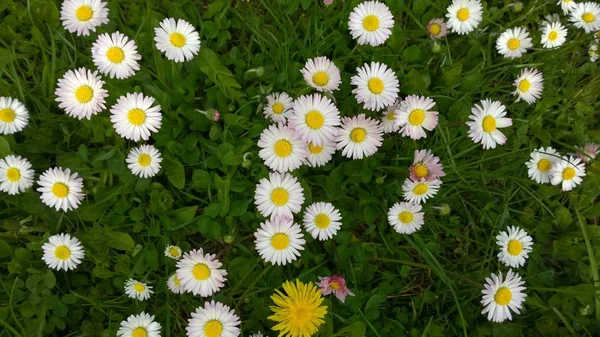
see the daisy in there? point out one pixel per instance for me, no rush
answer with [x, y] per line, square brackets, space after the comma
[279, 240]
[485, 121]
[83, 16]
[588, 153]
[406, 217]
[200, 274]
[144, 161]
[388, 121]
[359, 137]
[513, 43]
[529, 85]
[173, 252]
[503, 295]
[115, 55]
[299, 298]
[142, 325]
[174, 284]
[61, 189]
[569, 171]
[134, 117]
[567, 5]
[259, 333]
[586, 15]
[426, 165]
[282, 149]
[371, 23]
[592, 51]
[540, 165]
[13, 116]
[554, 35]
[178, 40]
[515, 245]
[418, 191]
[464, 16]
[280, 195]
[322, 220]
[437, 28]
[548, 20]
[322, 74]
[278, 106]
[319, 155]
[16, 174]
[377, 86]
[414, 116]
[137, 290]
[215, 319]
[80, 93]
[315, 118]
[62, 252]
[334, 284]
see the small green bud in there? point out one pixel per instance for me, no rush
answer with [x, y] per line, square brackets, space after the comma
[228, 239]
[436, 47]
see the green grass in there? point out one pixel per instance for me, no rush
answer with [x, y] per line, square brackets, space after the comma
[426, 284]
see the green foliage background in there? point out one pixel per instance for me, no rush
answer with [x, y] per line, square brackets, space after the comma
[426, 284]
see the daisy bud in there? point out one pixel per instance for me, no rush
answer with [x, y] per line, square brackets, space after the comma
[228, 239]
[436, 47]
[444, 209]
[517, 6]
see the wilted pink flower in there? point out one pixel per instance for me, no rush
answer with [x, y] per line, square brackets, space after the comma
[336, 285]
[426, 165]
[328, 2]
[590, 150]
[217, 116]
[437, 28]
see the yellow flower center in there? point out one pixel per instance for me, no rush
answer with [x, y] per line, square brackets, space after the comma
[177, 281]
[552, 36]
[405, 217]
[60, 190]
[434, 29]
[144, 160]
[514, 247]
[314, 149]
[84, 94]
[115, 55]
[391, 115]
[463, 14]
[513, 44]
[136, 116]
[7, 115]
[201, 272]
[335, 285]
[489, 124]
[322, 221]
[13, 174]
[280, 196]
[280, 241]
[314, 119]
[416, 117]
[138, 287]
[544, 165]
[358, 135]
[62, 253]
[177, 39]
[213, 328]
[172, 251]
[568, 173]
[139, 332]
[321, 78]
[503, 296]
[421, 171]
[421, 189]
[278, 108]
[371, 23]
[524, 85]
[375, 85]
[283, 148]
[84, 13]
[588, 17]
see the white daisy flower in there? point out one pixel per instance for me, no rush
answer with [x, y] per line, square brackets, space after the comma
[586, 15]
[548, 20]
[464, 16]
[359, 137]
[322, 74]
[319, 155]
[178, 40]
[529, 85]
[315, 118]
[134, 117]
[173, 252]
[406, 217]
[592, 51]
[174, 284]
[63, 252]
[16, 174]
[414, 116]
[515, 246]
[322, 220]
[279, 240]
[138, 290]
[215, 319]
[388, 121]
[280, 195]
[540, 165]
[142, 325]
[278, 107]
[61, 189]
[418, 191]
[513, 43]
[13, 116]
[144, 161]
[568, 171]
[426, 165]
[501, 296]
[371, 23]
[201, 274]
[83, 16]
[567, 5]
[554, 35]
[485, 121]
[281, 148]
[377, 86]
[115, 55]
[80, 93]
